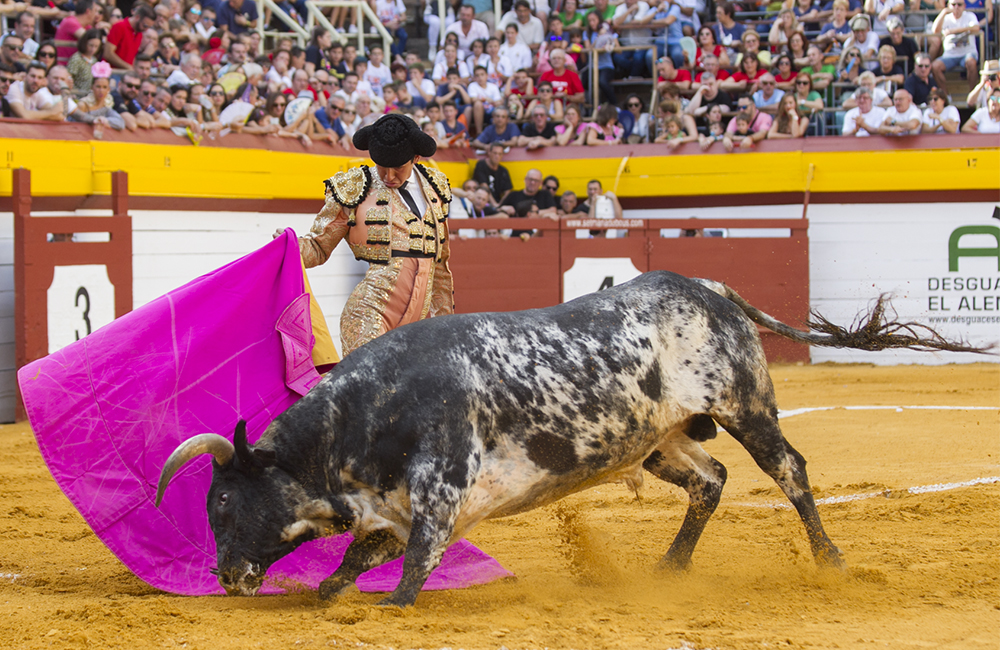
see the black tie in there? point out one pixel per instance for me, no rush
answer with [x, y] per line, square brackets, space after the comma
[409, 199]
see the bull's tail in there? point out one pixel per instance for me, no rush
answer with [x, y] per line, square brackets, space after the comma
[872, 331]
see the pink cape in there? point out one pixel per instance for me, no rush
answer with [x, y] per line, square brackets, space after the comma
[107, 411]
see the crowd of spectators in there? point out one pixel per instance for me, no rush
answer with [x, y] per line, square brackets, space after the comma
[201, 69]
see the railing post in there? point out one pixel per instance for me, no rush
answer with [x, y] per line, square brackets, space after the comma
[119, 193]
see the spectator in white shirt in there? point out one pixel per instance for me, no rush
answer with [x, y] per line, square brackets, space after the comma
[485, 97]
[880, 10]
[433, 22]
[865, 119]
[188, 72]
[985, 120]
[903, 118]
[31, 100]
[864, 39]
[378, 73]
[531, 31]
[958, 27]
[468, 30]
[451, 60]
[940, 117]
[419, 86]
[516, 52]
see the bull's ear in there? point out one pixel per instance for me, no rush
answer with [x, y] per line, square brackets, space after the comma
[265, 457]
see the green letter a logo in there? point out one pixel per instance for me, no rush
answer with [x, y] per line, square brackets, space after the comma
[955, 252]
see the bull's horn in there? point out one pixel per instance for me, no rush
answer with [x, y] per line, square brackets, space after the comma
[206, 443]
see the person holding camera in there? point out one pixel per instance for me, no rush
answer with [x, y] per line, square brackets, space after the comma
[989, 80]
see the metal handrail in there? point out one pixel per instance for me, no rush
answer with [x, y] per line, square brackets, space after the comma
[366, 12]
[595, 89]
[297, 29]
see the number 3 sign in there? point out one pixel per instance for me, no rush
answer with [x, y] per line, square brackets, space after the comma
[80, 300]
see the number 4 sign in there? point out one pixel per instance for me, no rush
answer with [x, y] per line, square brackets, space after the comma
[80, 300]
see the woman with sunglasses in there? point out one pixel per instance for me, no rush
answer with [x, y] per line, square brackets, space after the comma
[546, 99]
[986, 120]
[708, 45]
[79, 65]
[939, 116]
[808, 100]
[46, 55]
[785, 76]
[639, 132]
[850, 65]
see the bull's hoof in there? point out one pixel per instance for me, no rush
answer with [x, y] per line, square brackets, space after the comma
[831, 559]
[396, 601]
[333, 587]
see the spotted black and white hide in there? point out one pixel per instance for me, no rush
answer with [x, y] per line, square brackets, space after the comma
[418, 436]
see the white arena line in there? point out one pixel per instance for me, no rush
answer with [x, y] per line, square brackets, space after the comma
[898, 409]
[920, 489]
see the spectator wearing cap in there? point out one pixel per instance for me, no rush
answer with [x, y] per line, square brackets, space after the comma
[919, 82]
[864, 39]
[902, 118]
[985, 120]
[501, 130]
[30, 99]
[959, 28]
[989, 80]
[539, 132]
[125, 38]
[902, 44]
[865, 118]
[237, 16]
[769, 96]
[880, 11]
[468, 30]
[940, 116]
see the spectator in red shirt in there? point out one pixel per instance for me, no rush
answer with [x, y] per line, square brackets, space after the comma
[667, 73]
[565, 82]
[71, 28]
[125, 37]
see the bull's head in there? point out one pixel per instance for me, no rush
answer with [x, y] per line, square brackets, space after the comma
[258, 512]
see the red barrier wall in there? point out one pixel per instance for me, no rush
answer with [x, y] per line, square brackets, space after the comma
[509, 274]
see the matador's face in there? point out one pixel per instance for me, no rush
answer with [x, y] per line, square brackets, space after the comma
[394, 177]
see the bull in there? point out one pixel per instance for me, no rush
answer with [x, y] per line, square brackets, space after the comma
[426, 431]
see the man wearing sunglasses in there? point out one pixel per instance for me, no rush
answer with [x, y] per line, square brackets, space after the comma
[7, 77]
[125, 97]
[10, 51]
[989, 80]
[919, 83]
[959, 29]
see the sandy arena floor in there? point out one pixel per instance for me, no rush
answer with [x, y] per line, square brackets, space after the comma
[924, 567]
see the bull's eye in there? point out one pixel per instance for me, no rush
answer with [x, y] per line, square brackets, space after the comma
[223, 498]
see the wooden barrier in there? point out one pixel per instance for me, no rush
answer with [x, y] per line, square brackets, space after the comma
[43, 245]
[772, 272]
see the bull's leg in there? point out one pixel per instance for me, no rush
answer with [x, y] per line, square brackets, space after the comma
[760, 434]
[377, 547]
[434, 504]
[682, 461]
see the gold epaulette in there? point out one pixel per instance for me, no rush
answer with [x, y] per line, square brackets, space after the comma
[438, 181]
[350, 188]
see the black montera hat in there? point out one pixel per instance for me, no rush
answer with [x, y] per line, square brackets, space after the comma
[393, 140]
